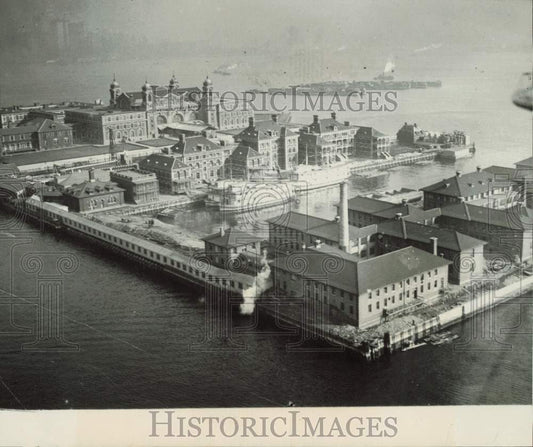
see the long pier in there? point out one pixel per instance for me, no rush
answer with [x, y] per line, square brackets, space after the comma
[392, 163]
[193, 268]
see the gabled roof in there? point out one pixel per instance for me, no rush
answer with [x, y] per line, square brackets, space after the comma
[161, 161]
[515, 218]
[466, 185]
[46, 125]
[190, 145]
[231, 237]
[413, 231]
[526, 162]
[355, 275]
[297, 221]
[394, 267]
[243, 152]
[368, 205]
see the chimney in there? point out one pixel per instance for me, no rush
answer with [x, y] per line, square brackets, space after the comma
[346, 123]
[398, 216]
[181, 137]
[91, 175]
[222, 230]
[251, 122]
[275, 117]
[404, 201]
[435, 243]
[344, 236]
[458, 173]
[333, 115]
[315, 119]
[478, 168]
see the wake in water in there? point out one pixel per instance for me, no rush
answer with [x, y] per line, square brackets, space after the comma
[261, 283]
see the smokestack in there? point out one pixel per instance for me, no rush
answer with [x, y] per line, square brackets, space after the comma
[435, 243]
[344, 236]
[91, 175]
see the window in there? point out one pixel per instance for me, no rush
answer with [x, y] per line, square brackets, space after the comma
[393, 287]
[436, 271]
[370, 294]
[370, 308]
[435, 283]
[377, 292]
[377, 304]
[351, 310]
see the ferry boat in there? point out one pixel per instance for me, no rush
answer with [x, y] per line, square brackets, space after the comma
[240, 196]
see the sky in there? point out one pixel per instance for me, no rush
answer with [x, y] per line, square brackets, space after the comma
[375, 25]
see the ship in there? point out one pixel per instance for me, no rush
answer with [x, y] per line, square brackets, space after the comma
[240, 196]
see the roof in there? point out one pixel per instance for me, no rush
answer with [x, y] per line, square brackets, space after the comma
[95, 188]
[389, 210]
[515, 218]
[502, 172]
[368, 205]
[355, 275]
[465, 185]
[413, 231]
[526, 162]
[327, 125]
[330, 231]
[158, 142]
[297, 221]
[339, 266]
[47, 125]
[52, 155]
[189, 145]
[243, 152]
[367, 129]
[395, 267]
[231, 237]
[261, 130]
[161, 161]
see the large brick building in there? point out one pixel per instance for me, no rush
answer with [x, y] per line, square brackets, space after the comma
[173, 176]
[372, 143]
[140, 187]
[244, 162]
[508, 232]
[481, 188]
[464, 252]
[93, 195]
[326, 141]
[278, 144]
[340, 287]
[35, 135]
[204, 158]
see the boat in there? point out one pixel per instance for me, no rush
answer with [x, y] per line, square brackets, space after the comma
[239, 195]
[413, 346]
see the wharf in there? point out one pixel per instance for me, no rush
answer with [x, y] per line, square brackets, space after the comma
[398, 160]
[387, 337]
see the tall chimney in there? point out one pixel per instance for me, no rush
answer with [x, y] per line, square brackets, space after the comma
[344, 237]
[435, 244]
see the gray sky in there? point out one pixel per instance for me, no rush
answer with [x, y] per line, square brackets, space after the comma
[390, 25]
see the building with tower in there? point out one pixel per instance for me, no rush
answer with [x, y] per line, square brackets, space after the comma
[221, 112]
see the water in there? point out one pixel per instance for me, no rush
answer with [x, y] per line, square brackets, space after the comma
[135, 328]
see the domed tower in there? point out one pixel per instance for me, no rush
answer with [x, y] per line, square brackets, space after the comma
[114, 91]
[172, 84]
[146, 93]
[207, 112]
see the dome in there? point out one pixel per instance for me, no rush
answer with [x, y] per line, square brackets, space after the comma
[114, 84]
[146, 86]
[207, 82]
